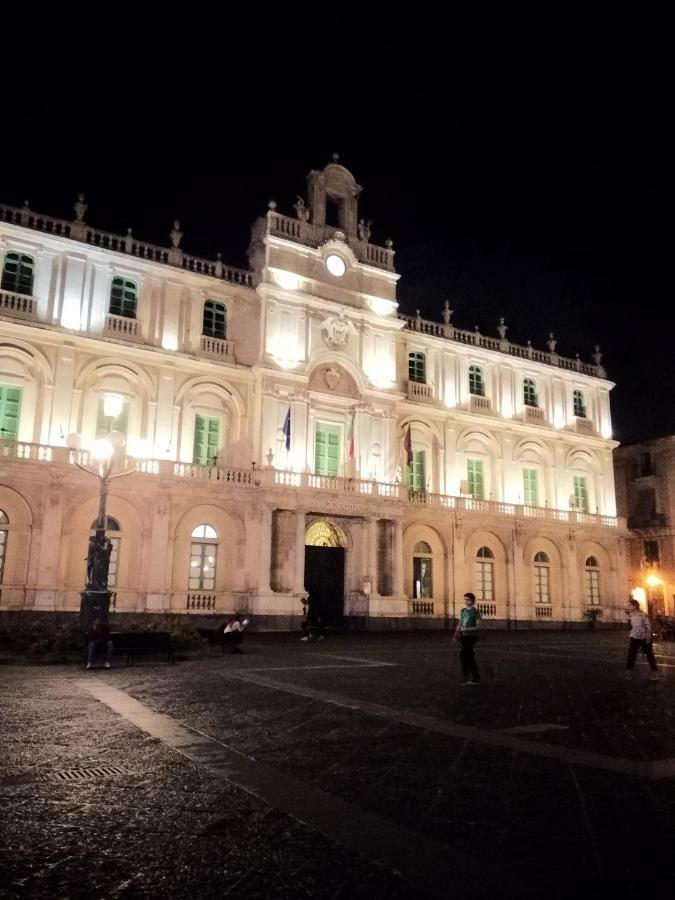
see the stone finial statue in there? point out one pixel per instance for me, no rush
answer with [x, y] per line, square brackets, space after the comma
[446, 313]
[364, 229]
[336, 157]
[389, 244]
[176, 235]
[301, 210]
[272, 205]
[551, 343]
[80, 208]
[129, 241]
[502, 329]
[597, 356]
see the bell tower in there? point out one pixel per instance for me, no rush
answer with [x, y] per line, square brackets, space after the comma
[333, 197]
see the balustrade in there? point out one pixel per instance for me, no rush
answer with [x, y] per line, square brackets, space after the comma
[17, 304]
[543, 611]
[121, 326]
[487, 610]
[422, 607]
[218, 347]
[418, 391]
[535, 414]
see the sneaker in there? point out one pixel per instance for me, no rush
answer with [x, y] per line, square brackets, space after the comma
[304, 638]
[89, 666]
[108, 665]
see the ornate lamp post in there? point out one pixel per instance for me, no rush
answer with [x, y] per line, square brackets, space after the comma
[95, 598]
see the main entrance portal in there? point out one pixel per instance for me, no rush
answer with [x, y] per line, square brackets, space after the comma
[325, 570]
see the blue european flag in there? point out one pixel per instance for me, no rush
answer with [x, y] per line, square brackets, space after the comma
[287, 428]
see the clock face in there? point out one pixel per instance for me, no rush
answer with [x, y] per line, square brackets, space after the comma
[336, 265]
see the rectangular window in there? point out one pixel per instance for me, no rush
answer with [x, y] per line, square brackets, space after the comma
[485, 581]
[646, 465]
[10, 412]
[541, 589]
[579, 405]
[417, 472]
[592, 587]
[422, 583]
[106, 424]
[475, 476]
[530, 487]
[651, 552]
[417, 368]
[327, 450]
[202, 567]
[580, 493]
[207, 441]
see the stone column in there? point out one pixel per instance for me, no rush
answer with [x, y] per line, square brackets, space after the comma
[265, 556]
[372, 555]
[299, 584]
[397, 561]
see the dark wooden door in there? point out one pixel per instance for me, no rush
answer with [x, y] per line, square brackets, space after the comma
[325, 581]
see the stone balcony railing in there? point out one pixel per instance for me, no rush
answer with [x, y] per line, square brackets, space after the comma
[217, 347]
[419, 391]
[535, 414]
[543, 611]
[474, 338]
[313, 235]
[583, 425]
[121, 326]
[480, 404]
[269, 478]
[421, 607]
[17, 304]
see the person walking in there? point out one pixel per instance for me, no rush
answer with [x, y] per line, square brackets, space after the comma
[98, 638]
[640, 638]
[467, 635]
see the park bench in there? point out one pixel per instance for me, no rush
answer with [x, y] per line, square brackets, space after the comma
[132, 644]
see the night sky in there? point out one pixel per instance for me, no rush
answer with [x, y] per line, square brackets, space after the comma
[521, 168]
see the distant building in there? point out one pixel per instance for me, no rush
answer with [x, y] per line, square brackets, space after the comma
[645, 493]
[289, 430]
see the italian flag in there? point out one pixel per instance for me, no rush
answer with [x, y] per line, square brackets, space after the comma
[350, 438]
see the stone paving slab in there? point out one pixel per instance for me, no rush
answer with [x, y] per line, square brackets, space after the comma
[399, 751]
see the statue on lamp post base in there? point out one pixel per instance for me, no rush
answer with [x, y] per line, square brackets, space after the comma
[95, 598]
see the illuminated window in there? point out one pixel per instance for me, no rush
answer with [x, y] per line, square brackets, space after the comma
[530, 487]
[485, 575]
[476, 381]
[529, 392]
[112, 530]
[123, 297]
[422, 571]
[417, 368]
[579, 404]
[203, 555]
[107, 423]
[10, 412]
[327, 450]
[207, 441]
[580, 493]
[417, 472]
[592, 581]
[476, 478]
[324, 534]
[214, 321]
[18, 273]
[4, 528]
[542, 592]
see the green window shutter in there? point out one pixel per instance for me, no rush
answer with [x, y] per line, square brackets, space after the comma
[106, 424]
[475, 475]
[417, 480]
[529, 392]
[10, 412]
[123, 297]
[530, 487]
[327, 450]
[207, 440]
[214, 320]
[579, 405]
[580, 493]
[18, 272]
[417, 368]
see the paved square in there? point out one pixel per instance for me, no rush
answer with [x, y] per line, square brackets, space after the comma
[354, 767]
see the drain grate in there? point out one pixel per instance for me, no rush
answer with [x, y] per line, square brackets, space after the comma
[75, 776]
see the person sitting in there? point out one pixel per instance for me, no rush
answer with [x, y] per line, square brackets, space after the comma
[233, 633]
[98, 637]
[312, 623]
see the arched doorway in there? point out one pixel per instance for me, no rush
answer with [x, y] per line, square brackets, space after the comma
[325, 570]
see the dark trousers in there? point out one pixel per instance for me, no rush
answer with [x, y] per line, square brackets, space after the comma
[99, 645]
[469, 667]
[634, 644]
[231, 640]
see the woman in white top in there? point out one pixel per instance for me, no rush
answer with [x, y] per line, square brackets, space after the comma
[640, 637]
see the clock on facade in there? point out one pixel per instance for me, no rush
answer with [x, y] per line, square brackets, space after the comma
[335, 265]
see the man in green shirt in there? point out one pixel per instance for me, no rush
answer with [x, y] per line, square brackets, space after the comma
[467, 635]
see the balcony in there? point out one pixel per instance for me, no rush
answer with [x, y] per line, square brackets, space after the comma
[480, 404]
[419, 391]
[421, 607]
[217, 348]
[535, 415]
[543, 611]
[583, 425]
[487, 610]
[23, 305]
[122, 326]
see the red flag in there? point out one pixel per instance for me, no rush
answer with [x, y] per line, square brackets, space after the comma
[350, 439]
[407, 446]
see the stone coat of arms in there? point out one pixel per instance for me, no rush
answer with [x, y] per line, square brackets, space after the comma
[335, 332]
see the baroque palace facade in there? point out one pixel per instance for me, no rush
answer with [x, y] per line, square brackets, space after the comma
[287, 430]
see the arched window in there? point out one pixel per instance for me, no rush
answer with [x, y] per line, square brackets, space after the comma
[112, 530]
[18, 273]
[123, 297]
[485, 575]
[579, 404]
[476, 381]
[542, 580]
[417, 368]
[214, 320]
[530, 392]
[203, 554]
[4, 528]
[422, 571]
[592, 582]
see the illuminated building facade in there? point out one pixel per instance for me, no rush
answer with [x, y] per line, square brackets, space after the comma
[291, 431]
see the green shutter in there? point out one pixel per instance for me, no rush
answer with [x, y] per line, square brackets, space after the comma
[530, 487]
[476, 483]
[207, 440]
[10, 412]
[417, 480]
[106, 424]
[327, 450]
[580, 493]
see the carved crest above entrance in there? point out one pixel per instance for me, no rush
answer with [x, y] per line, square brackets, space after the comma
[332, 375]
[335, 331]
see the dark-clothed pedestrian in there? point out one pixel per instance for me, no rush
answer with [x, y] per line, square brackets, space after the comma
[640, 638]
[467, 635]
[312, 623]
[98, 637]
